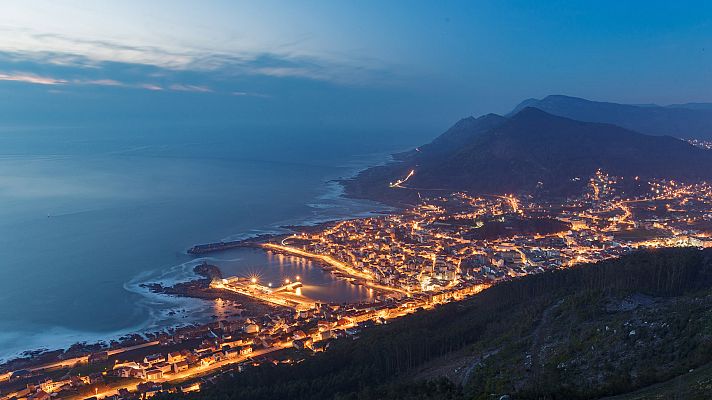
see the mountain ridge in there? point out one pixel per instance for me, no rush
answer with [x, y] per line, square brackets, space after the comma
[530, 151]
[687, 121]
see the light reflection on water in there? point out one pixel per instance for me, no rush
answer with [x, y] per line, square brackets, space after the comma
[276, 268]
[225, 309]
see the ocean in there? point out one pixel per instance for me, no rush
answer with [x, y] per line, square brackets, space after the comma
[89, 213]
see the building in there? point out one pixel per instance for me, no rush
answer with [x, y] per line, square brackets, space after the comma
[301, 344]
[153, 374]
[51, 386]
[252, 328]
[324, 335]
[154, 359]
[175, 357]
[207, 360]
[40, 395]
[179, 366]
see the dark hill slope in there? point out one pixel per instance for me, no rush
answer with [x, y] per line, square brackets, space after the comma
[461, 134]
[534, 146]
[373, 182]
[582, 333]
[684, 120]
[534, 150]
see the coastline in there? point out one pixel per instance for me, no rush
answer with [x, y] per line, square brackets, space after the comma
[85, 343]
[200, 289]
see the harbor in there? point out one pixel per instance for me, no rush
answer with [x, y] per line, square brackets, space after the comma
[287, 295]
[320, 282]
[276, 245]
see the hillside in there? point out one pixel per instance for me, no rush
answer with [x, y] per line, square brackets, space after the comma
[532, 151]
[461, 134]
[628, 326]
[687, 121]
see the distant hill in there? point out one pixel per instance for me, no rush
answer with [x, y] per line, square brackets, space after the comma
[692, 106]
[638, 326]
[531, 151]
[687, 121]
[461, 134]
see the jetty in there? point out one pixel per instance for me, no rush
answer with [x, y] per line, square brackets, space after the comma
[288, 295]
[219, 246]
[222, 245]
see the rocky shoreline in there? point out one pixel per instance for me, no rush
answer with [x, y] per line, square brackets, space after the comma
[200, 289]
[242, 307]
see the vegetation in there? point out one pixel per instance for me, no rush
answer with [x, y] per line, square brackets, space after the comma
[587, 332]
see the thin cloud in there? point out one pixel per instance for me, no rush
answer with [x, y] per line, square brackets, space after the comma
[31, 78]
[190, 88]
[103, 82]
[249, 94]
[59, 49]
[150, 86]
[280, 62]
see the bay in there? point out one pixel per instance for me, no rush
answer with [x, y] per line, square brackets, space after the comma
[89, 213]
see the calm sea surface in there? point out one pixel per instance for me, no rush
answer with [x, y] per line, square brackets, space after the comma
[87, 214]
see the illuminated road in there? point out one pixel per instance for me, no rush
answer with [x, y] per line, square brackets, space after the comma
[195, 372]
[343, 267]
[399, 183]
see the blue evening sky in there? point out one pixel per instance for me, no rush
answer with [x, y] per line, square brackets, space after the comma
[351, 64]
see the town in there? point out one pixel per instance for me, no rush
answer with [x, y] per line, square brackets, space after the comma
[444, 249]
[460, 241]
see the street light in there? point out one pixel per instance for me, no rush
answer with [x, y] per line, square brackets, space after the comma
[298, 278]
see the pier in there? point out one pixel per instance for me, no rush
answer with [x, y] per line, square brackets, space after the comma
[206, 248]
[287, 295]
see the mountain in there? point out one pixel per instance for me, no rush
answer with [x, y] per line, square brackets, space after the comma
[692, 106]
[687, 121]
[462, 133]
[531, 151]
[637, 327]
[534, 146]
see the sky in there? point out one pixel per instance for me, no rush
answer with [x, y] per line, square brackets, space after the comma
[399, 65]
